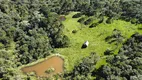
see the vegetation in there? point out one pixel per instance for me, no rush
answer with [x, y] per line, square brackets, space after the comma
[77, 15]
[96, 37]
[28, 33]
[31, 30]
[83, 70]
[50, 70]
[126, 64]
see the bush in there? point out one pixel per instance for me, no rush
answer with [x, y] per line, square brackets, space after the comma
[50, 70]
[61, 41]
[81, 20]
[77, 15]
[74, 31]
[134, 20]
[108, 52]
[93, 25]
[88, 21]
[101, 20]
[109, 21]
[66, 41]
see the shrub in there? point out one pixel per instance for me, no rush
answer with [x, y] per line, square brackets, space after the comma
[50, 70]
[93, 25]
[109, 21]
[108, 52]
[88, 21]
[77, 15]
[134, 20]
[74, 31]
[61, 41]
[66, 41]
[101, 20]
[81, 20]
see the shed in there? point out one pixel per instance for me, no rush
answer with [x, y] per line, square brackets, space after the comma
[62, 18]
[85, 44]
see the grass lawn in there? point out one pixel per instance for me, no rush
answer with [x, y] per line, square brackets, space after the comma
[96, 37]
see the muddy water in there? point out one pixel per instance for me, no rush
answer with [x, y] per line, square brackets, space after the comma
[40, 68]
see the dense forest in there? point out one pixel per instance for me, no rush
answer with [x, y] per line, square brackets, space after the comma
[31, 30]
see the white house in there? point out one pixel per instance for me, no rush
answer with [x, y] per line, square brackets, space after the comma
[86, 43]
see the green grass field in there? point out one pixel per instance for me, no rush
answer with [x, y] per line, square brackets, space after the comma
[96, 37]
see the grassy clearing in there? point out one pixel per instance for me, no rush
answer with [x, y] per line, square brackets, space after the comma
[74, 54]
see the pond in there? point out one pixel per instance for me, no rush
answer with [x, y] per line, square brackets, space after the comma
[40, 69]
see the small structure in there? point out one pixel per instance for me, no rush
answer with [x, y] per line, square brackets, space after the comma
[62, 18]
[85, 44]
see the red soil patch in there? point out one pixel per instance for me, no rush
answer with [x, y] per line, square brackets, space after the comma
[40, 68]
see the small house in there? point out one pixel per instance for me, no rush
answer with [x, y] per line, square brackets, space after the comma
[85, 44]
[62, 18]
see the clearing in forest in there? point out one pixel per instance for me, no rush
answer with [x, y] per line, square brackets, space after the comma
[79, 33]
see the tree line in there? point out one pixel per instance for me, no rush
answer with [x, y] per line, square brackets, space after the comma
[29, 31]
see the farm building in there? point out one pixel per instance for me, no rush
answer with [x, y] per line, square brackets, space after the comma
[85, 44]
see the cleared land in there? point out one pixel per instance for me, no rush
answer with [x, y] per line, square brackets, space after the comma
[96, 37]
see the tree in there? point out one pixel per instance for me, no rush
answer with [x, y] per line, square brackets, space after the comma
[124, 65]
[84, 69]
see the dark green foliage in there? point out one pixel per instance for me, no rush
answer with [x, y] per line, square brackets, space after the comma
[125, 9]
[115, 37]
[37, 45]
[28, 30]
[74, 31]
[139, 28]
[7, 66]
[132, 10]
[127, 64]
[61, 41]
[88, 21]
[108, 52]
[109, 21]
[77, 15]
[97, 23]
[81, 20]
[101, 20]
[84, 69]
[134, 20]
[93, 25]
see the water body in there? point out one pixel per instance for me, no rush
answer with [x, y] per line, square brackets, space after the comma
[40, 68]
